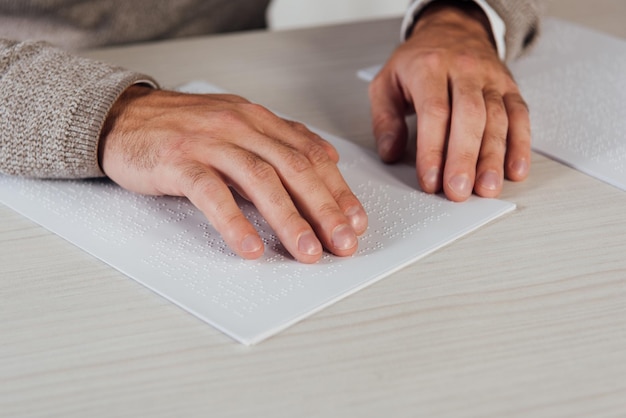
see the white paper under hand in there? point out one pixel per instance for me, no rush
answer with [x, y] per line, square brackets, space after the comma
[166, 244]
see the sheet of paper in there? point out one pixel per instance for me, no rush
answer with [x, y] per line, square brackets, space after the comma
[167, 245]
[575, 85]
[574, 81]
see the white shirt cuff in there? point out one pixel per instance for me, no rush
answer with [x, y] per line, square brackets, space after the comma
[497, 24]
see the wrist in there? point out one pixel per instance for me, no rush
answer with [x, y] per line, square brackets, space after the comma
[464, 14]
[117, 113]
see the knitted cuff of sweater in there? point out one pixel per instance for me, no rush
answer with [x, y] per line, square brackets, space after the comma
[522, 19]
[53, 108]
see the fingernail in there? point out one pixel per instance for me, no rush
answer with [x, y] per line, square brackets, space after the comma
[357, 217]
[490, 180]
[309, 244]
[251, 243]
[460, 185]
[343, 237]
[519, 167]
[431, 178]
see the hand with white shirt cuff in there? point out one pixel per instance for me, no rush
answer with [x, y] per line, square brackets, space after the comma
[473, 127]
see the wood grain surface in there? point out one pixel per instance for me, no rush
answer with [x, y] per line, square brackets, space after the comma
[526, 317]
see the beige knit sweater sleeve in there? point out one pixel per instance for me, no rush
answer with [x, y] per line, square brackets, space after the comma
[52, 108]
[522, 21]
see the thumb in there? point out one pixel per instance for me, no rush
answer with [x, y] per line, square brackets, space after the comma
[388, 111]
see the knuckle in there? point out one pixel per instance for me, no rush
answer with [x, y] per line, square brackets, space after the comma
[295, 161]
[292, 221]
[201, 183]
[300, 127]
[431, 60]
[498, 115]
[231, 220]
[472, 105]
[433, 161]
[384, 119]
[516, 104]
[257, 169]
[431, 155]
[493, 97]
[317, 155]
[277, 199]
[468, 62]
[519, 118]
[497, 143]
[344, 197]
[229, 116]
[328, 210]
[314, 139]
[495, 107]
[519, 115]
[437, 108]
[492, 156]
[467, 156]
[258, 110]
[292, 217]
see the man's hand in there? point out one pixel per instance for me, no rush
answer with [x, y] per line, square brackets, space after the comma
[167, 143]
[473, 126]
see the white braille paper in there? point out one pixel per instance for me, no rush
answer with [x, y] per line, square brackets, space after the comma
[575, 86]
[166, 244]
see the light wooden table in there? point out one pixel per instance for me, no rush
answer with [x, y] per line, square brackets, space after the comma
[525, 317]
